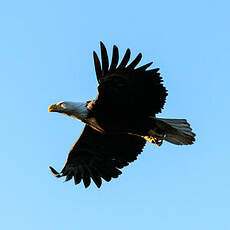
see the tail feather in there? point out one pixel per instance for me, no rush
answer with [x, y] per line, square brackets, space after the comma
[177, 131]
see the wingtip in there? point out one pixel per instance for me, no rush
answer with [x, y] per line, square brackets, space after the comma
[102, 44]
[128, 50]
[54, 172]
[115, 47]
[86, 181]
[144, 67]
[98, 184]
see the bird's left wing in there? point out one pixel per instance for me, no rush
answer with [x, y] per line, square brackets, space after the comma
[96, 156]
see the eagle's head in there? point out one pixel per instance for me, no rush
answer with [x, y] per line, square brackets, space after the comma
[77, 110]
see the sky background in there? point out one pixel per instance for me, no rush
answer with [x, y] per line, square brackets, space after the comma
[46, 56]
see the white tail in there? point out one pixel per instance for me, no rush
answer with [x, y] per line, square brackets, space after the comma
[177, 131]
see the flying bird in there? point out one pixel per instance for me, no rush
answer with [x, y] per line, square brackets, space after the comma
[119, 121]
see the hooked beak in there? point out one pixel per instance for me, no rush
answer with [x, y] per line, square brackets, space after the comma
[53, 108]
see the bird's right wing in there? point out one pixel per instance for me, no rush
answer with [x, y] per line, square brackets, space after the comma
[96, 156]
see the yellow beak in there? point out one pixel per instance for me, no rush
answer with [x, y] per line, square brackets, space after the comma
[53, 108]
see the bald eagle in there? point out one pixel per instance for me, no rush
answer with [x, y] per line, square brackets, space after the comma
[119, 121]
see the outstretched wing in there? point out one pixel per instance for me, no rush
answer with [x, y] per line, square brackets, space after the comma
[125, 90]
[96, 156]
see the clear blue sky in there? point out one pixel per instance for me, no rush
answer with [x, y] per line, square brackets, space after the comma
[46, 56]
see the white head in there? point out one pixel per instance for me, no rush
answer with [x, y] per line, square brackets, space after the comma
[77, 110]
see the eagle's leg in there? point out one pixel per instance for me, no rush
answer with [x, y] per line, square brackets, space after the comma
[157, 136]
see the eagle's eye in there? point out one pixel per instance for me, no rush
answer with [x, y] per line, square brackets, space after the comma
[61, 104]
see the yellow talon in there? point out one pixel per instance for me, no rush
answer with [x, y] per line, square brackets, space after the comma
[155, 140]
